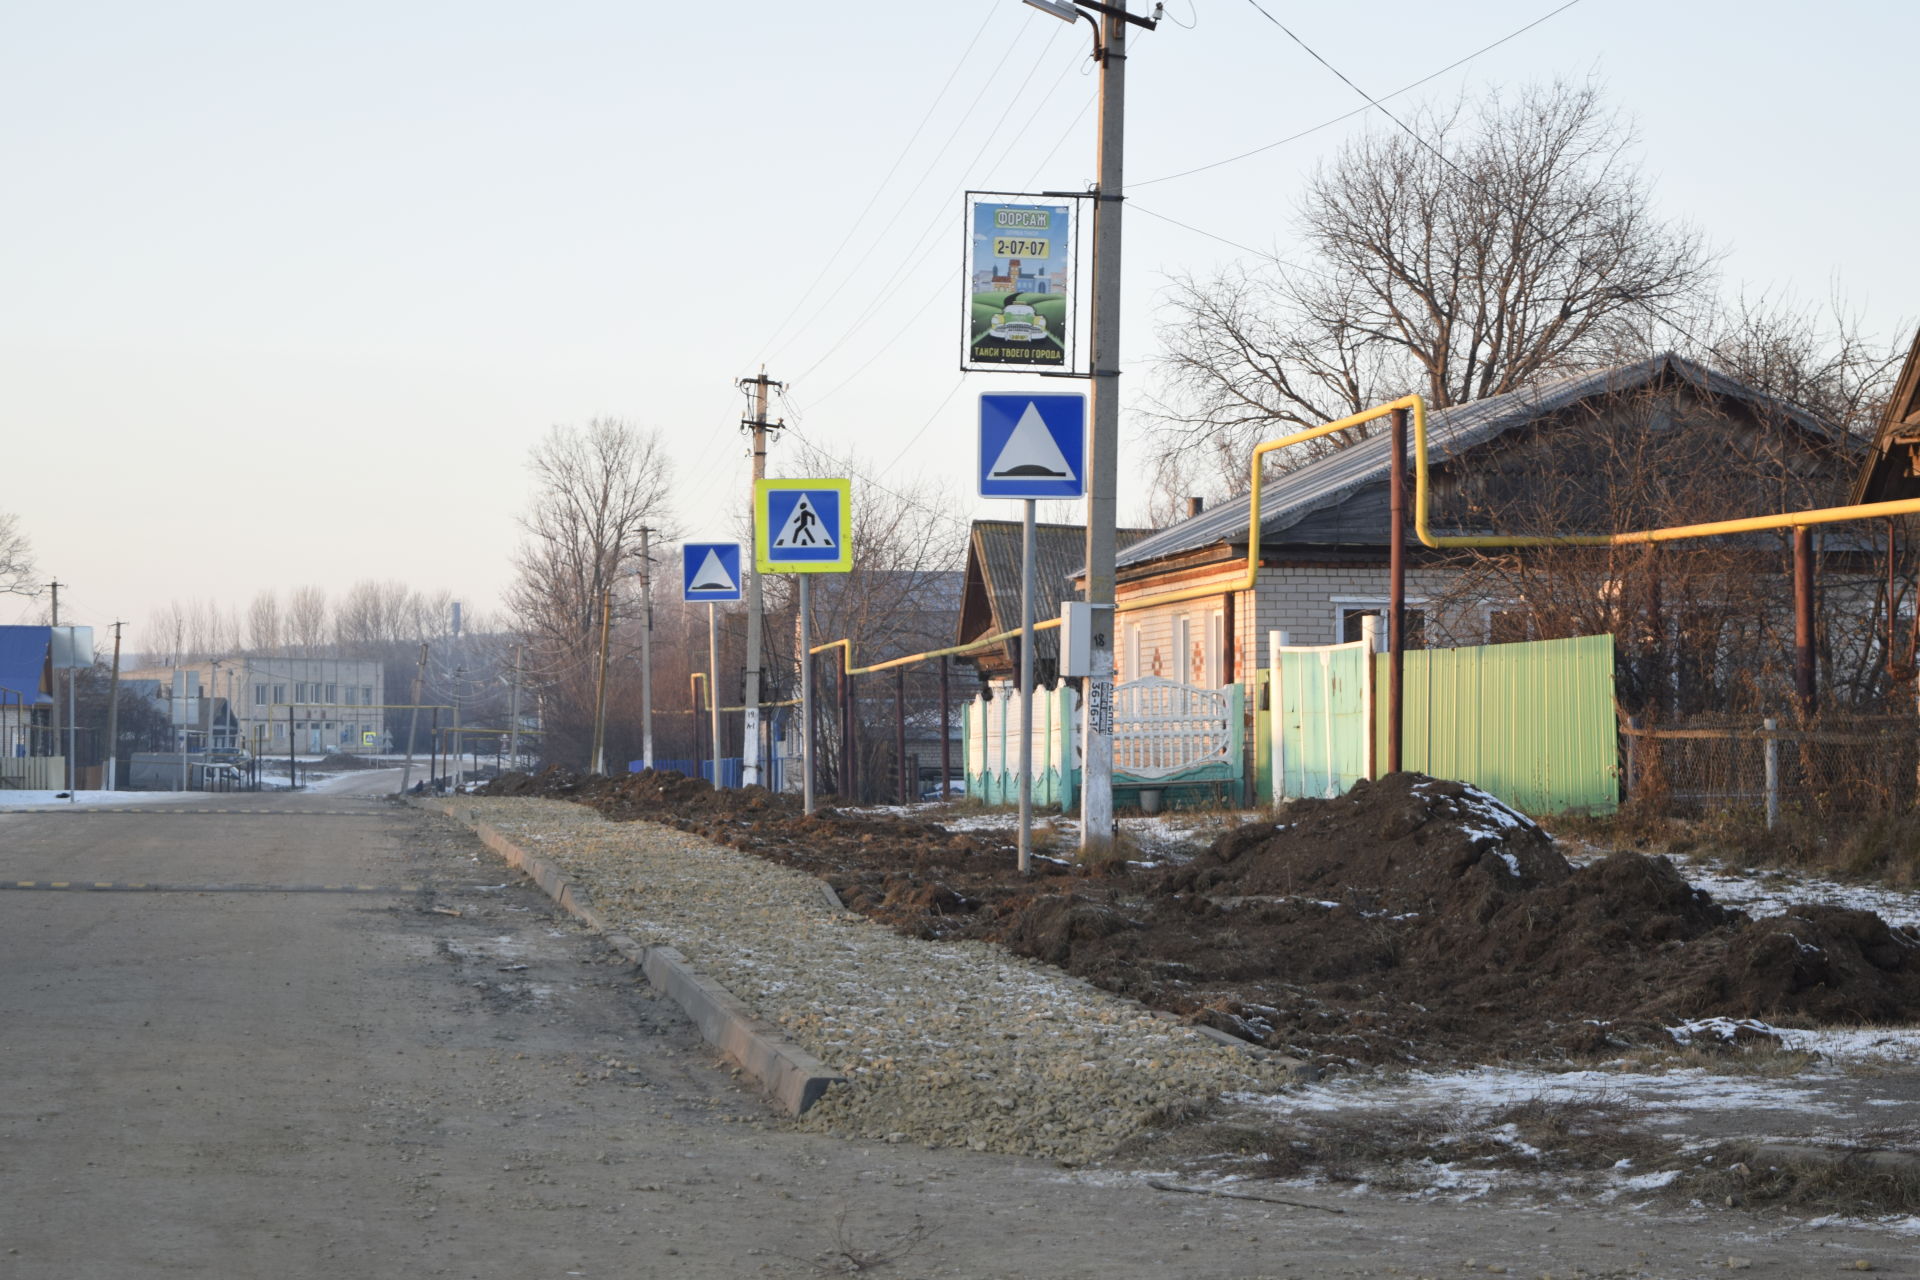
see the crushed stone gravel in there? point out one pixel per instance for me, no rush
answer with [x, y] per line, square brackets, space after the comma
[952, 1044]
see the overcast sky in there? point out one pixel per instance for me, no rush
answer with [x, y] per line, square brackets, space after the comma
[287, 291]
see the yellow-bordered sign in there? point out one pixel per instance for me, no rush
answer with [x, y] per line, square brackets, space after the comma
[803, 526]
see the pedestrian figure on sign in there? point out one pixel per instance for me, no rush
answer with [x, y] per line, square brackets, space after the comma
[803, 523]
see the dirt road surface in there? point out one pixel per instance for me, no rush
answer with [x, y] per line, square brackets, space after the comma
[265, 1048]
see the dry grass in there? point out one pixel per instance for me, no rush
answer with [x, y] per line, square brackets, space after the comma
[1882, 848]
[1845, 1179]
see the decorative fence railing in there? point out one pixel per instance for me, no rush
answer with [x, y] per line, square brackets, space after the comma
[990, 728]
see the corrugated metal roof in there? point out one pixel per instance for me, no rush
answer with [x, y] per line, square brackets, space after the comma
[23, 658]
[1058, 550]
[1288, 499]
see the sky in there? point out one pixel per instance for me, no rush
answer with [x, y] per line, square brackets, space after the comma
[287, 292]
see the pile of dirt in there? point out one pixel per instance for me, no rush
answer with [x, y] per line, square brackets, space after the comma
[1412, 920]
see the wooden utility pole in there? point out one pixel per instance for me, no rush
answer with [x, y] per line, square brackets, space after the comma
[598, 762]
[113, 711]
[750, 741]
[413, 718]
[513, 714]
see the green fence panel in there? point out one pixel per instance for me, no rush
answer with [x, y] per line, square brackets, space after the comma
[1322, 702]
[1533, 723]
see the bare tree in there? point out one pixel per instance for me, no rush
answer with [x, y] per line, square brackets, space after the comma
[16, 559]
[594, 488]
[1510, 239]
[307, 622]
[266, 629]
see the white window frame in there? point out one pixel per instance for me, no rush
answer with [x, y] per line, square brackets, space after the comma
[1182, 645]
[1376, 603]
[1131, 653]
[1213, 659]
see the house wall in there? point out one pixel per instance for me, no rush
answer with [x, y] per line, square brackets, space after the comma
[1302, 600]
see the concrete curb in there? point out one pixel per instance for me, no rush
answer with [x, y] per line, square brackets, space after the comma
[789, 1074]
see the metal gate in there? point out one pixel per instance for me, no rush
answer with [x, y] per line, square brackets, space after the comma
[1320, 716]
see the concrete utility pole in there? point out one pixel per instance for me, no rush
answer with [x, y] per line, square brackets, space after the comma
[113, 710]
[53, 718]
[750, 738]
[1103, 472]
[646, 649]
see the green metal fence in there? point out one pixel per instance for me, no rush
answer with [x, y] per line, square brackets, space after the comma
[1532, 723]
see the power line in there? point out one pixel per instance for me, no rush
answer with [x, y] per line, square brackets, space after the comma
[1371, 102]
[1656, 311]
[852, 470]
[855, 224]
[965, 117]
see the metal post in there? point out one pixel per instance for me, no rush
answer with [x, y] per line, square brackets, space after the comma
[598, 763]
[646, 651]
[900, 732]
[293, 760]
[73, 773]
[1803, 656]
[53, 709]
[459, 769]
[413, 719]
[113, 714]
[1773, 773]
[946, 746]
[433, 752]
[849, 749]
[806, 698]
[1103, 472]
[713, 684]
[1396, 592]
[1026, 698]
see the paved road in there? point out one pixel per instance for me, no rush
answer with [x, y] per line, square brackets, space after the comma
[218, 1075]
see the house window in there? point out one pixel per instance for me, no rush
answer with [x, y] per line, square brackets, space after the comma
[331, 694]
[259, 695]
[366, 695]
[1181, 668]
[1130, 652]
[279, 693]
[300, 691]
[1350, 614]
[1214, 660]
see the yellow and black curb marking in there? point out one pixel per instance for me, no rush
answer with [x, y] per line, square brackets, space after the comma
[144, 886]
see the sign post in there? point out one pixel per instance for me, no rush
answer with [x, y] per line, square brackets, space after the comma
[1032, 446]
[804, 527]
[710, 571]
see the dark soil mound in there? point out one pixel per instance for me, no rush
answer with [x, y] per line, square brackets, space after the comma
[1412, 919]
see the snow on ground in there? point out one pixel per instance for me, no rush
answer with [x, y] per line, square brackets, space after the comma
[1769, 892]
[49, 799]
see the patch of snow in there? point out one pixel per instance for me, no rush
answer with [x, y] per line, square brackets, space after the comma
[52, 799]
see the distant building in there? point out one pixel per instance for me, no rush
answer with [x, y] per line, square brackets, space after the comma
[278, 704]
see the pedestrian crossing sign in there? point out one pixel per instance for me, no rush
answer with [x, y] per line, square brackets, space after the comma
[803, 526]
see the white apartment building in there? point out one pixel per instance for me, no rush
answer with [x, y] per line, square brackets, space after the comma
[271, 705]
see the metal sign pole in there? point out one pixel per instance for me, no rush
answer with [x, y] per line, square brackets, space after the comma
[713, 684]
[1026, 686]
[806, 698]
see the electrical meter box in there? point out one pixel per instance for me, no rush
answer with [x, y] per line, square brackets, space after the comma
[1084, 629]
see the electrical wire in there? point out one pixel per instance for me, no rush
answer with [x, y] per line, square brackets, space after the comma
[854, 225]
[1659, 313]
[965, 117]
[1371, 102]
[865, 478]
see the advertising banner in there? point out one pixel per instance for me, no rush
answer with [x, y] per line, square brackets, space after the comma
[1020, 284]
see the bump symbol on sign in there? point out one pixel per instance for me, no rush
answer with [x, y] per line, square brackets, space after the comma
[712, 575]
[804, 527]
[1030, 451]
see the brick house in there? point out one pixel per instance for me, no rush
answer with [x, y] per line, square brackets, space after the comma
[1324, 544]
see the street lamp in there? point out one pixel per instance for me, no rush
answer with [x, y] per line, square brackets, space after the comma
[1058, 8]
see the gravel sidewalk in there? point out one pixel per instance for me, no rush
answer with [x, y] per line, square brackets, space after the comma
[946, 1044]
